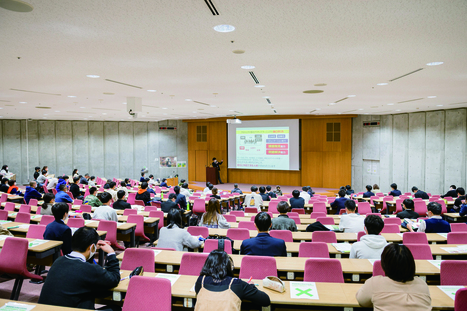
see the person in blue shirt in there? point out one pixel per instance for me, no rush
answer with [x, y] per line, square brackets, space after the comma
[270, 193]
[181, 198]
[263, 244]
[463, 210]
[394, 192]
[164, 183]
[61, 181]
[84, 179]
[263, 194]
[368, 193]
[236, 189]
[297, 201]
[142, 179]
[348, 190]
[31, 192]
[435, 223]
[310, 191]
[419, 193]
[339, 203]
[58, 230]
[62, 196]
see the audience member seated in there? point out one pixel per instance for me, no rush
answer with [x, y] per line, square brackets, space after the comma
[435, 223]
[152, 181]
[13, 189]
[213, 217]
[181, 199]
[339, 203]
[5, 186]
[348, 190]
[372, 244]
[123, 188]
[113, 190]
[451, 193]
[143, 194]
[42, 178]
[52, 184]
[105, 212]
[376, 189]
[170, 203]
[58, 230]
[84, 179]
[278, 190]
[270, 193]
[91, 199]
[185, 191]
[253, 199]
[408, 212]
[304, 194]
[121, 202]
[205, 191]
[394, 192]
[31, 192]
[74, 282]
[214, 193]
[368, 193]
[216, 286]
[283, 222]
[209, 192]
[74, 189]
[263, 244]
[107, 184]
[400, 289]
[91, 181]
[174, 236]
[263, 194]
[49, 201]
[463, 210]
[37, 173]
[164, 183]
[419, 193]
[75, 173]
[143, 178]
[297, 201]
[62, 196]
[351, 221]
[236, 189]
[61, 181]
[458, 202]
[310, 192]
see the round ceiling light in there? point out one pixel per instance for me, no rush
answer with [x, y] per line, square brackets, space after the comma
[390, 104]
[248, 67]
[224, 28]
[313, 91]
[16, 6]
[435, 63]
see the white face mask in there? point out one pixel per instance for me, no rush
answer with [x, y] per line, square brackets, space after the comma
[92, 253]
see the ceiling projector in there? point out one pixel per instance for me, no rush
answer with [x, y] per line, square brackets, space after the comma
[234, 121]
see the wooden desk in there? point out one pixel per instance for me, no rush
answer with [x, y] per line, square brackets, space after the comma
[39, 307]
[454, 217]
[124, 229]
[49, 248]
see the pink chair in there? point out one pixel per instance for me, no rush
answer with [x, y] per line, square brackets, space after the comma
[257, 267]
[250, 225]
[70, 194]
[375, 197]
[326, 220]
[420, 208]
[36, 232]
[13, 261]
[157, 205]
[452, 272]
[385, 205]
[273, 206]
[315, 215]
[420, 251]
[238, 213]
[164, 249]
[199, 206]
[293, 214]
[342, 211]
[460, 300]
[238, 234]
[323, 270]
[86, 193]
[414, 238]
[319, 207]
[283, 198]
[299, 210]
[364, 208]
[192, 263]
[160, 215]
[46, 219]
[196, 231]
[3, 215]
[139, 202]
[449, 199]
[33, 202]
[86, 208]
[296, 219]
[54, 191]
[391, 228]
[75, 222]
[360, 234]
[457, 238]
[443, 206]
[459, 227]
[9, 206]
[111, 228]
[128, 212]
[212, 244]
[150, 208]
[139, 221]
[141, 294]
[230, 218]
[324, 236]
[24, 218]
[4, 197]
[432, 199]
[399, 205]
[77, 202]
[131, 198]
[393, 220]
[378, 269]
[313, 249]
[135, 257]
[251, 210]
[285, 235]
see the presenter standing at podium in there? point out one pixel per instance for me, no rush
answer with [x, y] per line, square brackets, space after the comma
[217, 164]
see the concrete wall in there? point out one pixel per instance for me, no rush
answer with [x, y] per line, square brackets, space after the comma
[104, 149]
[423, 149]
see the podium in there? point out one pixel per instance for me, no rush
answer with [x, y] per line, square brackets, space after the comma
[211, 175]
[172, 181]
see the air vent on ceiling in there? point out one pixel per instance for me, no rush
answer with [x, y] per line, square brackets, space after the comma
[269, 101]
[211, 7]
[200, 103]
[253, 76]
[43, 107]
[275, 111]
[410, 100]
[35, 92]
[463, 103]
[349, 111]
[341, 99]
[412, 72]
[131, 85]
[372, 124]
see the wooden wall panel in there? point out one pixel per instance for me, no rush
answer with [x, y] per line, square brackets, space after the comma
[201, 162]
[336, 169]
[312, 169]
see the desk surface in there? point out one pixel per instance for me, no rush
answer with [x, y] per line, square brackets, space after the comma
[40, 307]
[40, 248]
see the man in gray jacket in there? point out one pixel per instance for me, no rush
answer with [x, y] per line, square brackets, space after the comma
[372, 244]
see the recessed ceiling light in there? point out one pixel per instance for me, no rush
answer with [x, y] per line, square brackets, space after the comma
[93, 76]
[104, 113]
[439, 105]
[318, 109]
[384, 83]
[435, 63]
[339, 113]
[431, 96]
[57, 110]
[152, 91]
[398, 110]
[85, 118]
[189, 100]
[332, 104]
[266, 97]
[259, 85]
[71, 96]
[165, 108]
[1, 116]
[124, 103]
[248, 67]
[390, 104]
[23, 102]
[82, 107]
[224, 28]
[351, 95]
[1, 108]
[360, 109]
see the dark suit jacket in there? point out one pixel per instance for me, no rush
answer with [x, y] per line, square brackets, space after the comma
[181, 200]
[395, 193]
[121, 204]
[263, 245]
[265, 197]
[217, 165]
[368, 194]
[421, 194]
[58, 231]
[339, 203]
[450, 193]
[408, 214]
[145, 197]
[167, 205]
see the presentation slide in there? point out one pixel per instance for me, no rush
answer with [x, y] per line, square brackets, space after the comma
[264, 145]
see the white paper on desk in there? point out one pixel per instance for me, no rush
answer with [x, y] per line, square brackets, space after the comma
[303, 290]
[156, 252]
[24, 226]
[342, 247]
[436, 263]
[171, 277]
[73, 230]
[444, 235]
[372, 261]
[12, 214]
[87, 222]
[450, 290]
[453, 250]
[37, 242]
[4, 221]
[14, 306]
[3, 237]
[400, 234]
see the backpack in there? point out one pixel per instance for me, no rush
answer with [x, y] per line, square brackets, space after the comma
[193, 221]
[316, 226]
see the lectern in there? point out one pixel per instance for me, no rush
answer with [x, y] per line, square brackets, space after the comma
[211, 175]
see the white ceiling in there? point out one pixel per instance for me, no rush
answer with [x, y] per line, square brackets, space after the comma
[170, 46]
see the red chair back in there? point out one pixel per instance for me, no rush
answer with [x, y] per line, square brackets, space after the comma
[420, 208]
[257, 267]
[296, 219]
[238, 234]
[319, 207]
[392, 220]
[139, 221]
[135, 257]
[460, 300]
[378, 269]
[457, 238]
[192, 263]
[273, 206]
[196, 231]
[452, 272]
[324, 236]
[420, 251]
[298, 210]
[285, 235]
[213, 244]
[160, 215]
[250, 225]
[139, 202]
[24, 218]
[360, 234]
[86, 208]
[3, 215]
[33, 202]
[459, 227]
[9, 206]
[252, 210]
[75, 222]
[364, 208]
[414, 238]
[313, 249]
[36, 232]
[46, 219]
[128, 212]
[323, 270]
[315, 215]
[326, 220]
[391, 228]
[199, 206]
[141, 294]
[111, 228]
[238, 213]
[230, 218]
[131, 198]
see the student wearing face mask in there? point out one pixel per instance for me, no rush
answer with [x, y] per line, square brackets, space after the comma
[58, 230]
[74, 282]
